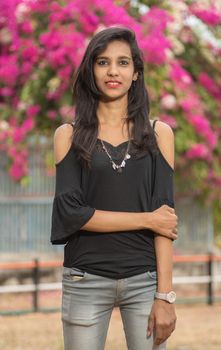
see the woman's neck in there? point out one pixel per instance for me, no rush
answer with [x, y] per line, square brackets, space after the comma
[112, 114]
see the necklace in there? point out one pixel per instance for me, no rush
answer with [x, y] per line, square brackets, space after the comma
[116, 167]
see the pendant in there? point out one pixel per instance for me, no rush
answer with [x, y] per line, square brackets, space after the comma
[119, 170]
[128, 156]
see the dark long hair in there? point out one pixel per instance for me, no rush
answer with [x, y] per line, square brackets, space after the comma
[86, 98]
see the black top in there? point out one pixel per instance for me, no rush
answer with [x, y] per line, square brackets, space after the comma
[144, 185]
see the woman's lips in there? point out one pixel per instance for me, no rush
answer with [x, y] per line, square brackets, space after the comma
[113, 84]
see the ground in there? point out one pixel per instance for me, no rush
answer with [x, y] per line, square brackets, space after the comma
[198, 328]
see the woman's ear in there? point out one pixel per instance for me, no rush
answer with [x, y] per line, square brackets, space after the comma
[135, 76]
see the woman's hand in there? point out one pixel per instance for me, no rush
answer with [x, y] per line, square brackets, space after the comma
[164, 221]
[162, 320]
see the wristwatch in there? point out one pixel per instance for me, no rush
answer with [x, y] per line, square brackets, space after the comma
[169, 297]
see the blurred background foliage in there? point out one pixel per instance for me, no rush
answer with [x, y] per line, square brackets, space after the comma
[42, 43]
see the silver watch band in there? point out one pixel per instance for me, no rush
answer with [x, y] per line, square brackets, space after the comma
[169, 297]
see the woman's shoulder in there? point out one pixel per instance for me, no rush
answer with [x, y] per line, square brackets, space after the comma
[62, 141]
[65, 129]
[165, 141]
[161, 127]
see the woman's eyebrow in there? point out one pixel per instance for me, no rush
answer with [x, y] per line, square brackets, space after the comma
[105, 57]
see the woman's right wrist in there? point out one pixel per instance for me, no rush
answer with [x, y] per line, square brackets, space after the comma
[147, 220]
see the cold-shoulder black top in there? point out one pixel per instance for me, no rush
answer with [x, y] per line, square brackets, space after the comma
[143, 186]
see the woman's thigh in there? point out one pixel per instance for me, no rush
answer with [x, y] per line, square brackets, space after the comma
[87, 304]
[135, 307]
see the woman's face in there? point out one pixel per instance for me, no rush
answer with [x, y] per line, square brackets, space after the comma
[114, 70]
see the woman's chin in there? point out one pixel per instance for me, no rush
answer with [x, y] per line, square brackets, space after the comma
[112, 96]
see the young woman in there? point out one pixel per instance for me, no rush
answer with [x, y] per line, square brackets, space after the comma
[113, 206]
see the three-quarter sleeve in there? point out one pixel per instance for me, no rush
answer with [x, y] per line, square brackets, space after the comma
[69, 211]
[163, 187]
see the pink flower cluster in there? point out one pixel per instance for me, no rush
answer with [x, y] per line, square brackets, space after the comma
[156, 43]
[179, 75]
[39, 57]
[9, 69]
[211, 16]
[170, 120]
[202, 126]
[18, 168]
[199, 151]
[192, 105]
[210, 85]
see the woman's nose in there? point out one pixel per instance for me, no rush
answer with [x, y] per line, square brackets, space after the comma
[112, 70]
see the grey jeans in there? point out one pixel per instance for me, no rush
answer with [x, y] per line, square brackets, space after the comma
[87, 304]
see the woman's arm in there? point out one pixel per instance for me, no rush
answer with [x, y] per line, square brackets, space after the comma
[163, 246]
[163, 316]
[161, 221]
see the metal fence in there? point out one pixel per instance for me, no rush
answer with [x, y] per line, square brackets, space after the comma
[25, 210]
[37, 287]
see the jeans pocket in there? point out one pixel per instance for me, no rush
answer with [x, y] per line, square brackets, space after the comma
[152, 275]
[73, 274]
[78, 302]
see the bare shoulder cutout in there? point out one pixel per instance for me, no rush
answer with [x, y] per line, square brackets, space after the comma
[153, 122]
[62, 142]
[165, 140]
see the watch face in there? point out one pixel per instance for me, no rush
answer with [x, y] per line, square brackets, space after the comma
[171, 297]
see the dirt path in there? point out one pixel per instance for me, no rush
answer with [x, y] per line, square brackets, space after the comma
[198, 328]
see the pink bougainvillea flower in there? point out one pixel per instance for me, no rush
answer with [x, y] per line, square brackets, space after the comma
[212, 138]
[41, 6]
[6, 91]
[200, 151]
[26, 68]
[115, 15]
[53, 95]
[156, 19]
[28, 125]
[202, 126]
[26, 27]
[18, 168]
[57, 58]
[209, 85]
[8, 17]
[179, 75]
[155, 44]
[89, 21]
[17, 171]
[155, 48]
[52, 114]
[209, 16]
[200, 122]
[170, 120]
[18, 135]
[65, 73]
[66, 111]
[33, 110]
[190, 102]
[12, 151]
[51, 39]
[30, 53]
[8, 69]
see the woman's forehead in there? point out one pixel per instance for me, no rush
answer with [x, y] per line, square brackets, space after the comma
[117, 48]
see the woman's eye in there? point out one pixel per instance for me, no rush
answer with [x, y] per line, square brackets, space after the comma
[101, 62]
[124, 62]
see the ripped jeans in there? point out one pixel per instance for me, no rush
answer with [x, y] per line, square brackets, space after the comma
[87, 304]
